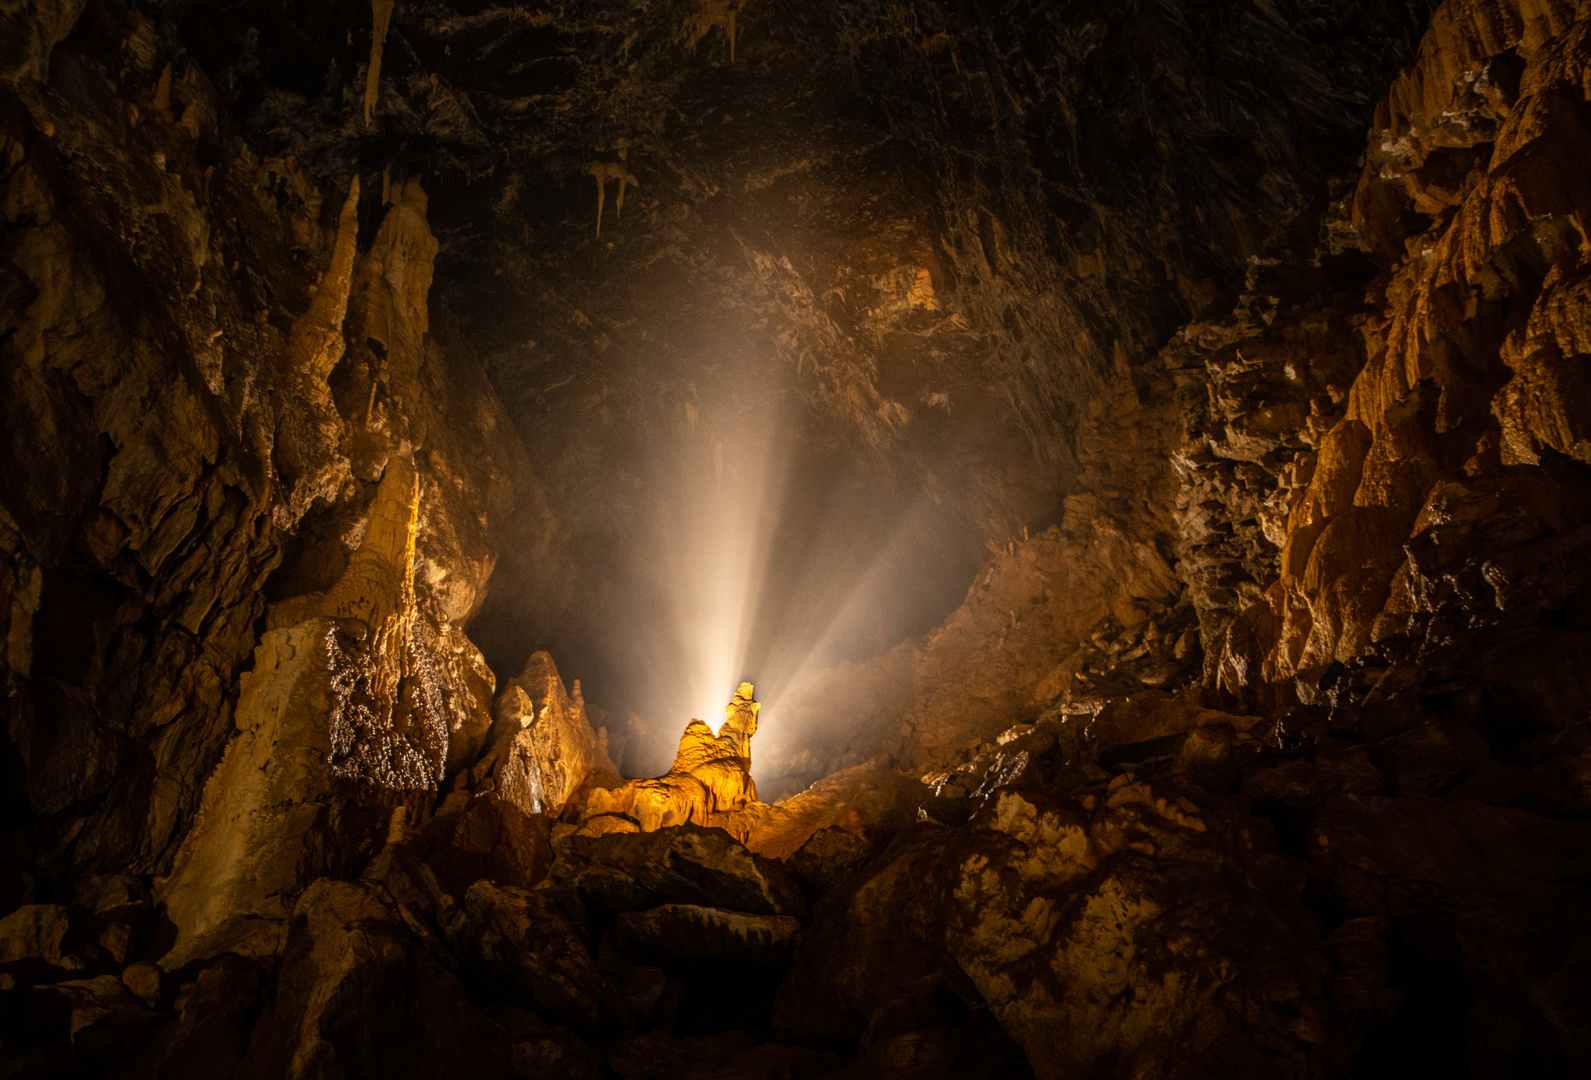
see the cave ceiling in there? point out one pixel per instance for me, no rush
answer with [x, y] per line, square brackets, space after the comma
[930, 228]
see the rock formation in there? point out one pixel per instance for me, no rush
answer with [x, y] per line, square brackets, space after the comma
[542, 749]
[709, 781]
[1260, 744]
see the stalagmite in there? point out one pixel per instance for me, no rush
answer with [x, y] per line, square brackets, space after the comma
[243, 858]
[710, 778]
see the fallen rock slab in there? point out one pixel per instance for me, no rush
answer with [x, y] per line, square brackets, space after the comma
[684, 864]
[688, 932]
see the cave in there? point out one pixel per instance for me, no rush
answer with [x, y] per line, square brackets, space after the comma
[779, 539]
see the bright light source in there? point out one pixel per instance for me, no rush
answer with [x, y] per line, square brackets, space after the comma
[766, 567]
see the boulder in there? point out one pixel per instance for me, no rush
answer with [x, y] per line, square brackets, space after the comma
[640, 987]
[210, 1035]
[100, 1018]
[537, 1050]
[529, 948]
[144, 980]
[673, 934]
[111, 898]
[653, 1055]
[483, 836]
[828, 857]
[1136, 925]
[1308, 785]
[1154, 714]
[971, 1050]
[685, 864]
[731, 1055]
[870, 799]
[355, 997]
[37, 944]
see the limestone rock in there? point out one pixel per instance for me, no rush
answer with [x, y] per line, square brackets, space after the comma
[1309, 785]
[93, 1024]
[1152, 714]
[869, 799]
[1052, 910]
[338, 708]
[529, 947]
[356, 998]
[32, 30]
[658, 1055]
[692, 934]
[1282, 716]
[539, 1051]
[223, 434]
[1015, 638]
[144, 980]
[485, 837]
[37, 941]
[827, 858]
[640, 987]
[543, 749]
[710, 778]
[211, 1033]
[684, 864]
[1501, 886]
[465, 686]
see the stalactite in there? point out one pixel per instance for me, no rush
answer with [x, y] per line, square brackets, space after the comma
[700, 25]
[381, 12]
[317, 337]
[605, 171]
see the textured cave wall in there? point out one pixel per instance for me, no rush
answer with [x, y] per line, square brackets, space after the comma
[208, 367]
[1365, 482]
[1296, 462]
[887, 195]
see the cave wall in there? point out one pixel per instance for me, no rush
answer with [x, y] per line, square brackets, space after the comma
[1364, 479]
[1289, 472]
[213, 380]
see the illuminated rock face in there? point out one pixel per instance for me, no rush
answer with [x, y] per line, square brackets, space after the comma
[542, 749]
[709, 781]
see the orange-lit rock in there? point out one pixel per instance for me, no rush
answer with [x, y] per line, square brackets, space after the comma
[333, 710]
[1056, 908]
[683, 864]
[542, 749]
[1421, 409]
[711, 775]
[869, 801]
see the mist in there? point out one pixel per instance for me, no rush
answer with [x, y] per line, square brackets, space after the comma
[763, 547]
